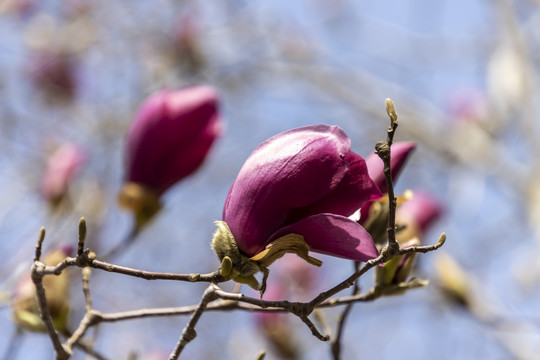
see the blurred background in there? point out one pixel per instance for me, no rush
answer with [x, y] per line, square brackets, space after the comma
[463, 76]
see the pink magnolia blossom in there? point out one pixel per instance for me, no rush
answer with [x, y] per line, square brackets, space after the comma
[61, 168]
[171, 135]
[303, 181]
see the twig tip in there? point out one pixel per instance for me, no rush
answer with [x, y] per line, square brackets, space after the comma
[442, 240]
[391, 110]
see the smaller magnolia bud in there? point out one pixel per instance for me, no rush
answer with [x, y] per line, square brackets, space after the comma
[168, 140]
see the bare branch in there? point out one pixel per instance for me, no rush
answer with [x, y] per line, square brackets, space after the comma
[37, 276]
[214, 277]
[189, 333]
[313, 329]
[336, 343]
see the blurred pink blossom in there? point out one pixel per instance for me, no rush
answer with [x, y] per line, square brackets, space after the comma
[54, 73]
[60, 171]
[468, 104]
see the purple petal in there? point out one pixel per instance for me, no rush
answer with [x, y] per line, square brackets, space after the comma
[400, 152]
[352, 192]
[290, 170]
[333, 235]
[171, 135]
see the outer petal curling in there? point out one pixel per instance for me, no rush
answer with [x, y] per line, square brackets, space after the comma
[333, 235]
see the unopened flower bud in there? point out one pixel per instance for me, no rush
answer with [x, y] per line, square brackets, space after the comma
[168, 140]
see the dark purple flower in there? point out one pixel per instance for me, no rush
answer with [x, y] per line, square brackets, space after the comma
[299, 187]
[171, 135]
[304, 181]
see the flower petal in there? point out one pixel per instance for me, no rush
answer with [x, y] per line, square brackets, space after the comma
[349, 195]
[290, 170]
[333, 235]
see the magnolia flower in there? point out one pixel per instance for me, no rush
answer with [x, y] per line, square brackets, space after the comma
[295, 193]
[168, 140]
[61, 168]
[26, 313]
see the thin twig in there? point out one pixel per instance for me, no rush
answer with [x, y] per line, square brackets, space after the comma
[383, 149]
[313, 329]
[86, 288]
[215, 276]
[336, 344]
[189, 333]
[37, 276]
[38, 271]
